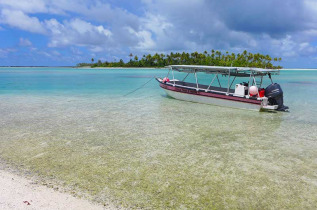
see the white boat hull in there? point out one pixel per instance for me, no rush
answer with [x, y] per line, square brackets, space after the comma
[211, 100]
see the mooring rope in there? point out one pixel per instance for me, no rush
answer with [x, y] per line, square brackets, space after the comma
[139, 87]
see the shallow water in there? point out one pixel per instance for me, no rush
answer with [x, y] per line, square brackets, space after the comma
[148, 150]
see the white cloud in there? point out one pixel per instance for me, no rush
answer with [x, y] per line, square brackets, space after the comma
[311, 5]
[32, 6]
[158, 26]
[99, 11]
[203, 25]
[288, 29]
[177, 26]
[76, 32]
[44, 53]
[25, 42]
[76, 51]
[83, 27]
[287, 46]
[18, 19]
[97, 49]
[6, 51]
[55, 53]
[145, 40]
[29, 6]
[305, 49]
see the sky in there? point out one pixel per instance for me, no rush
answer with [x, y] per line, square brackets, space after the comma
[67, 32]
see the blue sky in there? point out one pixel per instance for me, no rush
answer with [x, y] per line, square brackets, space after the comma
[59, 32]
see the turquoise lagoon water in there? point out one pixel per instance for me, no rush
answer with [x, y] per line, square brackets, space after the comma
[79, 128]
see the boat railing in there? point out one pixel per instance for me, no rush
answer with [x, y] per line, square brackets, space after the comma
[200, 89]
[227, 71]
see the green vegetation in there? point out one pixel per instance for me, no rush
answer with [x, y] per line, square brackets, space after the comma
[216, 58]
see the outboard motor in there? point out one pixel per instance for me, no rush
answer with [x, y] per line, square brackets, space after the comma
[274, 94]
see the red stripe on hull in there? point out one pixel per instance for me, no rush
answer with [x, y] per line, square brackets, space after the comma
[208, 94]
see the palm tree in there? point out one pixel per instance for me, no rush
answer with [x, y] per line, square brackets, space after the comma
[215, 58]
[149, 60]
[219, 54]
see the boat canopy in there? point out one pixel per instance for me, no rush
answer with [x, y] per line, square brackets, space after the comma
[224, 70]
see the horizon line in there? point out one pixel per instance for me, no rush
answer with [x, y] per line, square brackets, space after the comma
[74, 66]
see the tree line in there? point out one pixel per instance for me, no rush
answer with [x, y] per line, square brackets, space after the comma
[214, 58]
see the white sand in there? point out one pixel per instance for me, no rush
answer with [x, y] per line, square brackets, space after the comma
[16, 192]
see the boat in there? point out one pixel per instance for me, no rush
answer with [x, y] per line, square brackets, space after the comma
[248, 94]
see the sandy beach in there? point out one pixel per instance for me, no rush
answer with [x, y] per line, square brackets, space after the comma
[17, 192]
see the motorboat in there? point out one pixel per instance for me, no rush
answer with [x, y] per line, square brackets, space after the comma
[249, 94]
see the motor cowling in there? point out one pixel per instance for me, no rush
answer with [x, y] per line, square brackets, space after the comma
[274, 94]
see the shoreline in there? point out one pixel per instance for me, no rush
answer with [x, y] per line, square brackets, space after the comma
[88, 67]
[20, 192]
[84, 67]
[291, 69]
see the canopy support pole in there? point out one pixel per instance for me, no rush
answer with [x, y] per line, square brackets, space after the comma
[250, 83]
[270, 77]
[232, 81]
[173, 77]
[212, 82]
[218, 80]
[228, 83]
[185, 77]
[196, 80]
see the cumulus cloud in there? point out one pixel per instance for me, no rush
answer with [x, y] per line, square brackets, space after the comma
[280, 28]
[105, 13]
[144, 38]
[18, 19]
[97, 10]
[117, 27]
[276, 28]
[32, 6]
[76, 32]
[97, 38]
[190, 25]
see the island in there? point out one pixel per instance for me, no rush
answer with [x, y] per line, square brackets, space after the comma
[215, 58]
